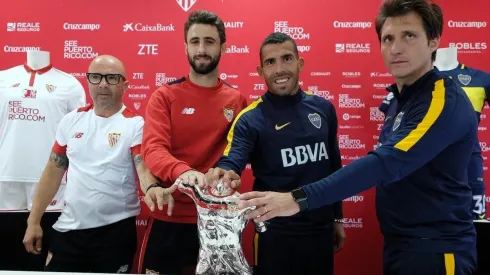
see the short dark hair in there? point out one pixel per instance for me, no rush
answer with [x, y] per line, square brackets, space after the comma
[278, 38]
[207, 18]
[430, 12]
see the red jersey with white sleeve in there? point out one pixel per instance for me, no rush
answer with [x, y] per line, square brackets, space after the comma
[186, 126]
[32, 104]
[101, 186]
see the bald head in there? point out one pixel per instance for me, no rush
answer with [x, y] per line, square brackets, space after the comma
[107, 64]
[106, 86]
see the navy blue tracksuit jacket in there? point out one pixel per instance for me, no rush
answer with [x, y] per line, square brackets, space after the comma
[289, 141]
[423, 199]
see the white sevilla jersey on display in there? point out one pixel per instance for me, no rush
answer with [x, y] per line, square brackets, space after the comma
[101, 185]
[32, 103]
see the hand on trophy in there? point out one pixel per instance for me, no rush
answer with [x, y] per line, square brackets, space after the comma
[229, 178]
[220, 227]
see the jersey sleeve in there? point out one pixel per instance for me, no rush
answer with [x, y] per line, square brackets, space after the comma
[428, 129]
[61, 139]
[137, 136]
[77, 97]
[335, 159]
[241, 141]
[157, 139]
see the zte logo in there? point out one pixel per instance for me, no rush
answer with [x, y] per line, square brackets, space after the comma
[138, 75]
[303, 154]
[78, 135]
[148, 49]
[380, 126]
[259, 87]
[188, 111]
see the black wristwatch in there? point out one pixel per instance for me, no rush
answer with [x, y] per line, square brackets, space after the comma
[151, 186]
[300, 197]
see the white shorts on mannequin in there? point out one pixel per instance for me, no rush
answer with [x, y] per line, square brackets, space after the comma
[17, 196]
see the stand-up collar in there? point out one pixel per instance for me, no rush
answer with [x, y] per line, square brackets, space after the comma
[408, 90]
[284, 99]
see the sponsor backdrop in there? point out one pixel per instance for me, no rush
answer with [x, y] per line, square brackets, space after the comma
[337, 40]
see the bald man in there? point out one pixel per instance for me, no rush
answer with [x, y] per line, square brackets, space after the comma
[100, 146]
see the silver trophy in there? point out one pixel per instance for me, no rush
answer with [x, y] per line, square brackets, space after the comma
[220, 225]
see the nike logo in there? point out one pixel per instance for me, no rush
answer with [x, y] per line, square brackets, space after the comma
[388, 117]
[282, 126]
[482, 217]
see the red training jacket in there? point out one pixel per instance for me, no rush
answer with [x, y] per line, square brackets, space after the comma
[186, 127]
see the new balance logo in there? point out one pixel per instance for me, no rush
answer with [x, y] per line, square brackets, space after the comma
[78, 135]
[303, 154]
[188, 111]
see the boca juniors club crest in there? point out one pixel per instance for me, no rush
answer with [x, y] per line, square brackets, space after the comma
[315, 119]
[398, 120]
[114, 138]
[50, 88]
[186, 4]
[228, 114]
[464, 79]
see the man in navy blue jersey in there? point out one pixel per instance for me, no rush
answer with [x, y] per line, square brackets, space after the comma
[476, 84]
[419, 168]
[290, 138]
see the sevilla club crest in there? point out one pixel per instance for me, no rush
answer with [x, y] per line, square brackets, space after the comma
[50, 88]
[186, 5]
[228, 114]
[137, 105]
[114, 138]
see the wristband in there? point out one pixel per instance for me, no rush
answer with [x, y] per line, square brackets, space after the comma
[151, 186]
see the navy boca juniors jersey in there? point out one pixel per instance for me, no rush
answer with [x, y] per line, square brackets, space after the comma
[476, 84]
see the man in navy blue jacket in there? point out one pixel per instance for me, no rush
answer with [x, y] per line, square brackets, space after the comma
[290, 138]
[423, 198]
